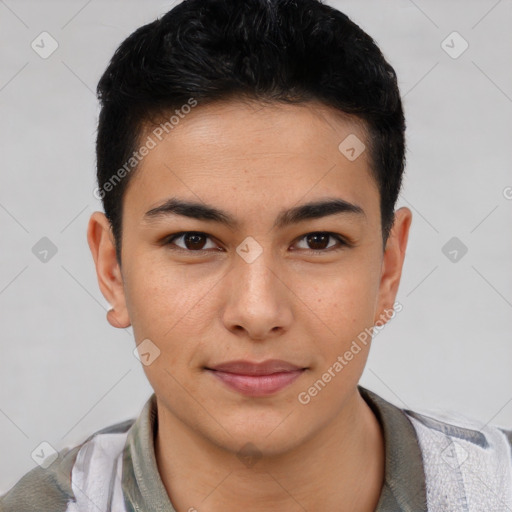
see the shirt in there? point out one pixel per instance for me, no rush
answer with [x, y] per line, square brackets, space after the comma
[430, 465]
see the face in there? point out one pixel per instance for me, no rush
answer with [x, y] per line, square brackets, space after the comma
[248, 281]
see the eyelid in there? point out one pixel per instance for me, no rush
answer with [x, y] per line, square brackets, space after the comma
[342, 240]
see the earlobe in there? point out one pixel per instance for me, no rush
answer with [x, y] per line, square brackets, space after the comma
[102, 245]
[392, 262]
[114, 321]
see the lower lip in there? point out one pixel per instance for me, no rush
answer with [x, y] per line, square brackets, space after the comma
[257, 385]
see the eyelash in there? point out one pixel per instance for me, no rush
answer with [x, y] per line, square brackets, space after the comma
[342, 241]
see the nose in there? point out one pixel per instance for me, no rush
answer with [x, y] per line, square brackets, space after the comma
[258, 301]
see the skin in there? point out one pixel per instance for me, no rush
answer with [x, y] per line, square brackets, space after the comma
[205, 307]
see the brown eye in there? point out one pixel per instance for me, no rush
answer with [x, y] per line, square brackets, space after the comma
[318, 242]
[191, 240]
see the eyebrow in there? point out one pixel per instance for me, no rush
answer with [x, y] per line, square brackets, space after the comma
[201, 211]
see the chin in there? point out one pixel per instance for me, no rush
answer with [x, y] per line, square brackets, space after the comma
[272, 438]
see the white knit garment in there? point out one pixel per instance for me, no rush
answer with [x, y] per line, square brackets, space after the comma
[96, 477]
[462, 476]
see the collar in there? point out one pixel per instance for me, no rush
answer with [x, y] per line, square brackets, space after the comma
[404, 487]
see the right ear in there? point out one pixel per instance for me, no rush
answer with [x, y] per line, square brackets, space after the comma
[102, 244]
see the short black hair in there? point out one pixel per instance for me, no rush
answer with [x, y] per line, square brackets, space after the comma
[288, 51]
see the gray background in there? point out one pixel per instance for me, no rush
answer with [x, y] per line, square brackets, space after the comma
[65, 372]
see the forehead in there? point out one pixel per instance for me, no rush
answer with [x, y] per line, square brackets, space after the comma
[252, 154]
[302, 128]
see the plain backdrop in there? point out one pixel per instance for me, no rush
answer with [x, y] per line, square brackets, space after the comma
[65, 372]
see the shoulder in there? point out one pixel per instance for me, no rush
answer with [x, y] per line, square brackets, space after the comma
[50, 489]
[471, 460]
[43, 489]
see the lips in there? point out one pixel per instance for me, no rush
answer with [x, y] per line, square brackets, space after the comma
[256, 379]
[249, 368]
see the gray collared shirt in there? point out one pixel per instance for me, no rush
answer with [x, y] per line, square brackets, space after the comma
[404, 481]
[115, 470]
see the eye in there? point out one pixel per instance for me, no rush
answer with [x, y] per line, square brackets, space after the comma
[319, 239]
[192, 240]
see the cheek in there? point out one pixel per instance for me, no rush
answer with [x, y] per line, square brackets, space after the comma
[157, 294]
[344, 298]
[161, 311]
[170, 307]
[343, 337]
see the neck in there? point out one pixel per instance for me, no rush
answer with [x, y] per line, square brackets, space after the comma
[341, 467]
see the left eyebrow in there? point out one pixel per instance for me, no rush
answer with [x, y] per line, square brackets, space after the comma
[307, 211]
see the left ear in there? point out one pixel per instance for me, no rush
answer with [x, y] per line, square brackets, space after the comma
[392, 262]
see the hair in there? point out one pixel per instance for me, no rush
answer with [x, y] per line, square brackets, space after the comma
[281, 51]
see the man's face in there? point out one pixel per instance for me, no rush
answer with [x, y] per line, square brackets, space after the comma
[254, 291]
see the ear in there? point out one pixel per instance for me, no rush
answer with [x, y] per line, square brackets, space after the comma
[392, 262]
[110, 280]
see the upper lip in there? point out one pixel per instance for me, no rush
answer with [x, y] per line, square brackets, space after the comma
[253, 368]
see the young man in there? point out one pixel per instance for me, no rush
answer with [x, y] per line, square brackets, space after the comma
[249, 156]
